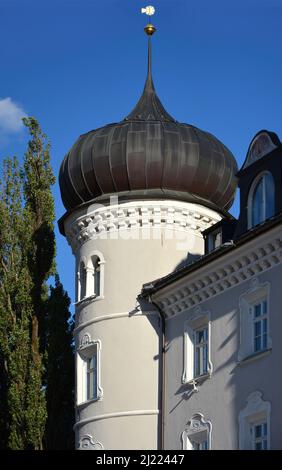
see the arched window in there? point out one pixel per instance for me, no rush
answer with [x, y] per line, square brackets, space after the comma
[97, 275]
[262, 203]
[82, 281]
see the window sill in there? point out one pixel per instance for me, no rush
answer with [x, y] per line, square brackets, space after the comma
[253, 357]
[88, 402]
[90, 298]
[198, 380]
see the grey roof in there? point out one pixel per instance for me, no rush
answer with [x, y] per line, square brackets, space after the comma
[148, 155]
[149, 107]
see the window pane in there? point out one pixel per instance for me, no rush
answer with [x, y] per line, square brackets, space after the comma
[269, 196]
[258, 431]
[200, 336]
[82, 281]
[257, 328]
[264, 325]
[257, 344]
[257, 310]
[265, 429]
[92, 377]
[258, 204]
[197, 362]
[264, 307]
[205, 445]
[258, 446]
[217, 239]
[205, 359]
[97, 278]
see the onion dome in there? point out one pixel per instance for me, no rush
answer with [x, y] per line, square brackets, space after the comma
[148, 155]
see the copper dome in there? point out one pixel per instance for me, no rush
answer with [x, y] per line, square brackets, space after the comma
[148, 155]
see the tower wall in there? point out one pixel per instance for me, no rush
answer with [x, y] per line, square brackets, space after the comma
[135, 242]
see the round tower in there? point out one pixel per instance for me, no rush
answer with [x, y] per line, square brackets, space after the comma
[138, 195]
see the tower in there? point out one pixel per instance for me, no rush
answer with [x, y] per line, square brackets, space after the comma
[138, 195]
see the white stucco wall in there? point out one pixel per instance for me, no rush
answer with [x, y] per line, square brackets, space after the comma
[221, 397]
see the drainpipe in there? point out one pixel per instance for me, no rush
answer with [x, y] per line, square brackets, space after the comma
[162, 365]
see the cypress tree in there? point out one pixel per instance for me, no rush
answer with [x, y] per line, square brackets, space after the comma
[27, 253]
[60, 371]
[15, 310]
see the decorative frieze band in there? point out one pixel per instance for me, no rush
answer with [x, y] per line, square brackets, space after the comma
[213, 282]
[105, 221]
[119, 414]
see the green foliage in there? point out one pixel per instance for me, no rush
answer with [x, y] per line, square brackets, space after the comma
[27, 254]
[60, 373]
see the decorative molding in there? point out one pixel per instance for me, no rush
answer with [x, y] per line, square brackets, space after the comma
[261, 145]
[112, 316]
[256, 410]
[214, 281]
[88, 443]
[196, 426]
[85, 341]
[120, 414]
[107, 221]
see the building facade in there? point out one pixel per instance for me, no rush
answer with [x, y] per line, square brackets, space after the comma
[191, 359]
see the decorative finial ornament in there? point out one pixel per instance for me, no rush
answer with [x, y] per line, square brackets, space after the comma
[149, 11]
[149, 107]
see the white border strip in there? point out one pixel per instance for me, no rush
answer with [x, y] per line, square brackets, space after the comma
[120, 414]
[113, 316]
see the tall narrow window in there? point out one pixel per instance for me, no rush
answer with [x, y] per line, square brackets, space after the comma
[262, 203]
[197, 365]
[92, 377]
[88, 368]
[254, 424]
[97, 276]
[201, 352]
[260, 436]
[260, 331]
[82, 281]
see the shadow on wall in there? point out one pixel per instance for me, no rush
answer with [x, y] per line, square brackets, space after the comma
[190, 259]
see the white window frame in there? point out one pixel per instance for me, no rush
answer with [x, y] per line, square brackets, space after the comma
[255, 441]
[86, 350]
[251, 197]
[260, 320]
[214, 240]
[90, 294]
[198, 431]
[197, 320]
[96, 256]
[80, 280]
[256, 412]
[258, 293]
[202, 363]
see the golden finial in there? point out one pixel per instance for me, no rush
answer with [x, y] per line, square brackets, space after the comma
[149, 29]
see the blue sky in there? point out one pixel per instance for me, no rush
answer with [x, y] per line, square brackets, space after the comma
[79, 64]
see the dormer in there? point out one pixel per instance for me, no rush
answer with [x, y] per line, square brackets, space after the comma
[260, 182]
